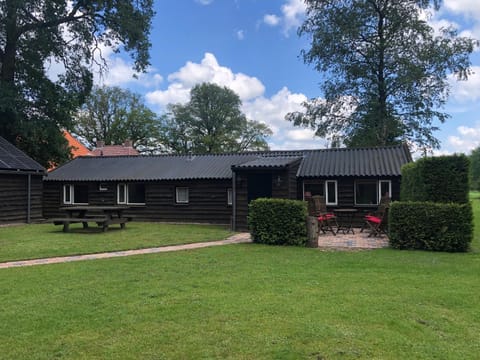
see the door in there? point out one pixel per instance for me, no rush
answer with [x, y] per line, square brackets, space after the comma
[259, 185]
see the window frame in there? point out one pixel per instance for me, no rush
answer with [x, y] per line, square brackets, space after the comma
[380, 189]
[71, 195]
[378, 184]
[177, 200]
[335, 183]
[229, 196]
[126, 194]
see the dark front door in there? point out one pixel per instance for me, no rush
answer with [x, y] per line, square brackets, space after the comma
[259, 185]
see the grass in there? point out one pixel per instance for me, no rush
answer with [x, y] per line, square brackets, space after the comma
[47, 240]
[247, 302]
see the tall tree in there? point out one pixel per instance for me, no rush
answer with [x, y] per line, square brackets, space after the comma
[35, 34]
[211, 122]
[112, 115]
[386, 71]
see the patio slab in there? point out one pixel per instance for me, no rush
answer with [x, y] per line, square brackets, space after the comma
[350, 241]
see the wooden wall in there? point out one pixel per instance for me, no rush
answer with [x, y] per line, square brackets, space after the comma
[14, 198]
[207, 200]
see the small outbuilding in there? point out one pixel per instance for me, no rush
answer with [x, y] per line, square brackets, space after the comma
[21, 186]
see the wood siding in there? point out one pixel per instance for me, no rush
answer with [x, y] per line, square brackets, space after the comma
[207, 200]
[14, 198]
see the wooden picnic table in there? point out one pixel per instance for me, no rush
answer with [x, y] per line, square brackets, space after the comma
[103, 215]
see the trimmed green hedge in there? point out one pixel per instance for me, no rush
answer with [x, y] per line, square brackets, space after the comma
[431, 226]
[278, 221]
[438, 179]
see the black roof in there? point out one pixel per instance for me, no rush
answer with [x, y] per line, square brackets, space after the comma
[372, 161]
[384, 161]
[13, 159]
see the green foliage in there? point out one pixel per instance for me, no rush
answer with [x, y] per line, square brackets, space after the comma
[385, 69]
[431, 226]
[113, 115]
[475, 169]
[38, 34]
[278, 221]
[211, 122]
[437, 179]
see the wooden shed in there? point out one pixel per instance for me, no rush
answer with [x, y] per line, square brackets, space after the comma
[218, 188]
[21, 186]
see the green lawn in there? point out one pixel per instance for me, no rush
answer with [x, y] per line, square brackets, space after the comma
[247, 302]
[37, 241]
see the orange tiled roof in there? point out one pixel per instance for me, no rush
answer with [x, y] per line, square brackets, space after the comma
[77, 148]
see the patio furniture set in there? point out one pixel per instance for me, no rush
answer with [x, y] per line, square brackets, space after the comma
[343, 219]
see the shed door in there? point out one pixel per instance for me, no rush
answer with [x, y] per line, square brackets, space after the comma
[259, 185]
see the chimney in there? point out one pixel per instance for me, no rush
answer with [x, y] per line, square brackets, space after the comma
[100, 144]
[127, 143]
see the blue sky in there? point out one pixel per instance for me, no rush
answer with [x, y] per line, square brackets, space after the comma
[252, 47]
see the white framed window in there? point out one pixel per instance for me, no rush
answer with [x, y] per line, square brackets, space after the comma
[369, 192]
[384, 188]
[75, 194]
[331, 192]
[181, 195]
[132, 194]
[229, 196]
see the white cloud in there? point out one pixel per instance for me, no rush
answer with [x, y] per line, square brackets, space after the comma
[467, 139]
[293, 12]
[204, 2]
[272, 110]
[240, 34]
[208, 70]
[271, 19]
[466, 91]
[467, 8]
[256, 106]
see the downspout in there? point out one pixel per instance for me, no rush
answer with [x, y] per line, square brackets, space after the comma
[234, 201]
[29, 194]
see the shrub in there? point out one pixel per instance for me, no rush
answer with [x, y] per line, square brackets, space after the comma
[431, 226]
[278, 221]
[437, 179]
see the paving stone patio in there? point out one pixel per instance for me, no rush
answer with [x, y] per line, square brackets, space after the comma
[351, 241]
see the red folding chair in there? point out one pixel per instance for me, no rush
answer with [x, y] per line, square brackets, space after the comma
[325, 219]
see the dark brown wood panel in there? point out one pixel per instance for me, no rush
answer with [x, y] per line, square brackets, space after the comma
[14, 198]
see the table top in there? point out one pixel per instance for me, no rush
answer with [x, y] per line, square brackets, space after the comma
[94, 207]
[345, 210]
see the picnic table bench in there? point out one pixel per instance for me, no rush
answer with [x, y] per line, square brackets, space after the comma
[103, 216]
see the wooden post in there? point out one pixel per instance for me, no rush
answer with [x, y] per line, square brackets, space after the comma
[312, 231]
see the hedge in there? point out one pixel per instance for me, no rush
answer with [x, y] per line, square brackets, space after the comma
[438, 179]
[431, 226]
[278, 221]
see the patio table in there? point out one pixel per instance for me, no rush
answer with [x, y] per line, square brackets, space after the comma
[345, 218]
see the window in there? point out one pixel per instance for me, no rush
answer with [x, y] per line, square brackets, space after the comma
[314, 188]
[75, 194]
[131, 194]
[326, 188]
[181, 196]
[331, 192]
[229, 196]
[385, 188]
[369, 192]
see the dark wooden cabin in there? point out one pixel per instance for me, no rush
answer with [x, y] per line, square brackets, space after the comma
[20, 186]
[217, 188]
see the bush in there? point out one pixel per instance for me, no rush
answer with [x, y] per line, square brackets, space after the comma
[431, 226]
[278, 221]
[437, 179]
